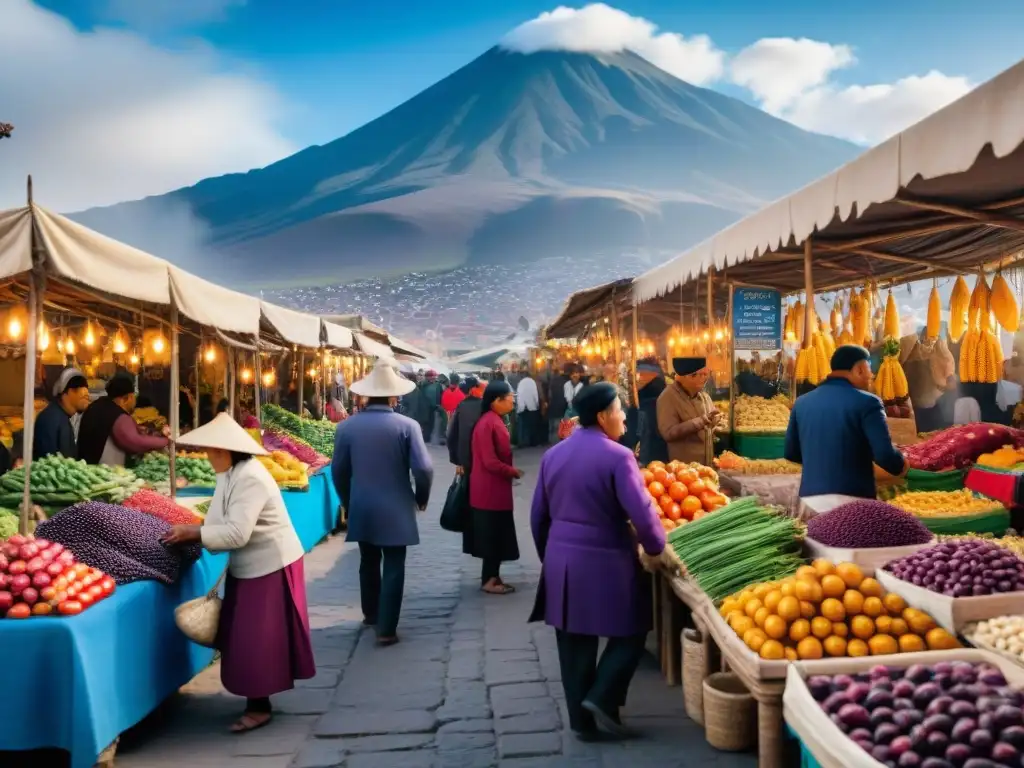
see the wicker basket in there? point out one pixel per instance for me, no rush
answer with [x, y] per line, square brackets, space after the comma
[694, 669]
[730, 713]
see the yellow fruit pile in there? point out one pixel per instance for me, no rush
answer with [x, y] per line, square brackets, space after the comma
[944, 503]
[760, 414]
[285, 468]
[149, 416]
[828, 609]
[1005, 457]
[738, 465]
[981, 354]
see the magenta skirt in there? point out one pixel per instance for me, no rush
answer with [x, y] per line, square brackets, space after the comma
[263, 637]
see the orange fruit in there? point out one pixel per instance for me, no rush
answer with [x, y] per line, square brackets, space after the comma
[911, 644]
[881, 645]
[691, 506]
[752, 606]
[918, 621]
[823, 567]
[648, 476]
[807, 609]
[699, 513]
[806, 572]
[788, 608]
[799, 629]
[653, 465]
[697, 487]
[873, 607]
[687, 476]
[775, 627]
[857, 647]
[675, 513]
[832, 609]
[894, 604]
[939, 639]
[870, 588]
[853, 602]
[656, 489]
[821, 627]
[668, 525]
[709, 499]
[674, 466]
[754, 639]
[832, 586]
[678, 491]
[660, 475]
[772, 650]
[787, 588]
[862, 627]
[850, 574]
[790, 654]
[665, 503]
[740, 624]
[898, 627]
[834, 646]
[771, 600]
[761, 616]
[809, 648]
[883, 625]
[839, 629]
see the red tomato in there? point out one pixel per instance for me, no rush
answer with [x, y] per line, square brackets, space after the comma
[85, 599]
[70, 608]
[70, 575]
[108, 585]
[96, 592]
[42, 609]
[19, 611]
[82, 569]
[73, 590]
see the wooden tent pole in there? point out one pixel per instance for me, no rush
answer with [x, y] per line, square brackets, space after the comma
[302, 381]
[808, 293]
[732, 362]
[175, 398]
[636, 325]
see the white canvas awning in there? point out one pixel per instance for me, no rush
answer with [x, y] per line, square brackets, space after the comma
[337, 336]
[405, 348]
[213, 305]
[964, 161]
[373, 348]
[15, 241]
[294, 327]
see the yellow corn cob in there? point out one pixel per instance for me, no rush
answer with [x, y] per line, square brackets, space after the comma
[899, 376]
[1004, 305]
[860, 320]
[967, 353]
[835, 319]
[801, 365]
[979, 296]
[787, 331]
[845, 337]
[798, 320]
[958, 303]
[892, 318]
[981, 357]
[878, 385]
[934, 313]
[830, 345]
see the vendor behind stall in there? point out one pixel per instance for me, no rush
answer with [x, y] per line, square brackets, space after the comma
[108, 433]
[839, 429]
[686, 415]
[53, 430]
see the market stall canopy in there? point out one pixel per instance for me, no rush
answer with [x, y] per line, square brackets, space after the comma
[492, 355]
[294, 327]
[404, 348]
[15, 241]
[337, 336]
[357, 323]
[941, 197]
[213, 305]
[373, 348]
[583, 307]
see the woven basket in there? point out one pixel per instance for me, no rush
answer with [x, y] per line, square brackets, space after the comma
[199, 619]
[730, 713]
[694, 667]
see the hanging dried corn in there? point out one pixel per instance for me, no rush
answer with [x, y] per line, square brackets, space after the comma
[958, 304]
[891, 328]
[934, 312]
[1004, 304]
[891, 381]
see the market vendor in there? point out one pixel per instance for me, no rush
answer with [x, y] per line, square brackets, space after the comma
[108, 434]
[838, 431]
[54, 432]
[686, 415]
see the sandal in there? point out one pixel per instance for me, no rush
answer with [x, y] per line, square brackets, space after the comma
[498, 589]
[251, 722]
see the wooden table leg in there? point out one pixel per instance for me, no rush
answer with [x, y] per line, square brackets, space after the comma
[770, 752]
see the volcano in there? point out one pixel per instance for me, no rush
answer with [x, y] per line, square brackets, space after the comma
[513, 158]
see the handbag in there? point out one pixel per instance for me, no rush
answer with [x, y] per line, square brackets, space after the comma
[567, 426]
[199, 618]
[456, 506]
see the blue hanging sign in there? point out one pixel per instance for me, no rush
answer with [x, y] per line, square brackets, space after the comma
[756, 319]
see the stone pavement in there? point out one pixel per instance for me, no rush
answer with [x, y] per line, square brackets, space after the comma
[471, 685]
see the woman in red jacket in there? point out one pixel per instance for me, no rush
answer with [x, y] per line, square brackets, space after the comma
[490, 489]
[452, 396]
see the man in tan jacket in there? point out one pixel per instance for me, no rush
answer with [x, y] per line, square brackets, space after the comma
[686, 415]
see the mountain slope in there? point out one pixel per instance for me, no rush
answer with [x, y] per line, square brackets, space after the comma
[511, 157]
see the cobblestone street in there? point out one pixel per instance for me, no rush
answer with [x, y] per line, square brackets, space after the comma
[471, 684]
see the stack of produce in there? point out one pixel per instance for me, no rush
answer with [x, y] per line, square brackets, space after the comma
[56, 481]
[158, 505]
[760, 414]
[740, 544]
[287, 471]
[149, 420]
[951, 714]
[125, 543]
[303, 452]
[682, 492]
[40, 577]
[1003, 634]
[194, 468]
[1004, 458]
[962, 568]
[959, 447]
[981, 354]
[867, 524]
[829, 609]
[738, 465]
[1013, 543]
[9, 523]
[318, 433]
[813, 360]
[927, 504]
[12, 421]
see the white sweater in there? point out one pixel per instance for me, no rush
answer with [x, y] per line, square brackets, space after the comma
[247, 518]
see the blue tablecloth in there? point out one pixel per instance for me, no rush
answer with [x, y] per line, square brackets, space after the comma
[76, 683]
[310, 510]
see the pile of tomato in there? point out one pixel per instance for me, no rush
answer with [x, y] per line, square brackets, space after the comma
[682, 492]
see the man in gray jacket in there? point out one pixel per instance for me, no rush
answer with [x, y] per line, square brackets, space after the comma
[375, 452]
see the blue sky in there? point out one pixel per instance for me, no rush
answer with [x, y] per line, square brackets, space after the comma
[340, 64]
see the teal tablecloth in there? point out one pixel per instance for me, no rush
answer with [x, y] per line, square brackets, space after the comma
[76, 683]
[310, 510]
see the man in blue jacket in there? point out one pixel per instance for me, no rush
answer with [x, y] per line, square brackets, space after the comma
[839, 430]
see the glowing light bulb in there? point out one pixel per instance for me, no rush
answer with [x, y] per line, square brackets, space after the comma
[268, 379]
[718, 335]
[90, 337]
[14, 328]
[312, 373]
[43, 337]
[158, 344]
[211, 354]
[246, 375]
[69, 347]
[134, 359]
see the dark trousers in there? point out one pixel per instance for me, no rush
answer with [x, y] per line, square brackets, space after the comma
[531, 428]
[381, 595]
[258, 706]
[489, 570]
[603, 682]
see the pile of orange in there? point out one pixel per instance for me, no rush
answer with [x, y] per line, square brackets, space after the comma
[682, 492]
[828, 609]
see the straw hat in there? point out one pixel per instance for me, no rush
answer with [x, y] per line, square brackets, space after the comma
[224, 433]
[383, 381]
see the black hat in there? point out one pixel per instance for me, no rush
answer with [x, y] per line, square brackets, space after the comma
[847, 356]
[686, 366]
[120, 385]
[592, 400]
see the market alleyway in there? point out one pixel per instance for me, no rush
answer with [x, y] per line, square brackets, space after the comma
[471, 684]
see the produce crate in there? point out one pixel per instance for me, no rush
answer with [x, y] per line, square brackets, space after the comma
[823, 744]
[921, 480]
[995, 522]
[998, 484]
[868, 560]
[953, 613]
[760, 445]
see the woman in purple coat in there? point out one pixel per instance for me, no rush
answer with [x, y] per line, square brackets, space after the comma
[591, 584]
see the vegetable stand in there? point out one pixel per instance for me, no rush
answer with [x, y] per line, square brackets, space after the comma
[311, 511]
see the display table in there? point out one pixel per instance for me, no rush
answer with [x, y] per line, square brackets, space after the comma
[81, 681]
[311, 511]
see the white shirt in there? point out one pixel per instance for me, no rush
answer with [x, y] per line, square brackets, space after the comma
[527, 395]
[966, 411]
[247, 518]
[571, 390]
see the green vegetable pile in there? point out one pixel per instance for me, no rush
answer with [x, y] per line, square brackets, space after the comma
[155, 468]
[8, 523]
[318, 434]
[740, 544]
[202, 508]
[57, 482]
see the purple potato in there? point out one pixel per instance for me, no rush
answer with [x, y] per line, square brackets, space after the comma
[905, 719]
[962, 709]
[903, 689]
[937, 723]
[881, 715]
[1007, 715]
[1013, 735]
[958, 754]
[939, 706]
[880, 752]
[877, 698]
[1005, 753]
[860, 734]
[909, 760]
[900, 704]
[854, 715]
[834, 702]
[925, 693]
[936, 762]
[885, 733]
[899, 745]
[981, 740]
[937, 742]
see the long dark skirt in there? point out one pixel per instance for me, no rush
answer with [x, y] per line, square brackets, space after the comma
[492, 535]
[263, 635]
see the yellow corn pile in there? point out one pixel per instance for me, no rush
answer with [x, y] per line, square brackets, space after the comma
[891, 381]
[1004, 304]
[958, 303]
[934, 312]
[981, 355]
[812, 362]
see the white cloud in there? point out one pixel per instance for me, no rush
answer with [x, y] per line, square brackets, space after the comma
[599, 28]
[791, 79]
[104, 116]
[163, 14]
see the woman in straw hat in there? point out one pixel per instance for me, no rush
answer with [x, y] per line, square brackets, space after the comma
[263, 636]
[375, 451]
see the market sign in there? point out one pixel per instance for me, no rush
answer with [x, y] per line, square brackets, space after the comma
[756, 319]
